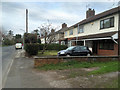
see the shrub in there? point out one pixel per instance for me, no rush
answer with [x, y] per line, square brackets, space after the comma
[30, 38]
[8, 42]
[53, 47]
[32, 48]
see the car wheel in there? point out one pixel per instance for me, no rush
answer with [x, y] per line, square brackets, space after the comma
[88, 54]
[68, 55]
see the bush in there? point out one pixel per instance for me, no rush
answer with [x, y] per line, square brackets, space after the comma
[8, 42]
[53, 47]
[32, 48]
[30, 38]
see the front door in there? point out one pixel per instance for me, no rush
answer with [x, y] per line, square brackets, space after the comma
[95, 47]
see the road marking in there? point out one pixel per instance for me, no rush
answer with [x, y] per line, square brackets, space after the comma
[18, 54]
[5, 78]
[9, 67]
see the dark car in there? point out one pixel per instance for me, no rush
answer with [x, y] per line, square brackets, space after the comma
[75, 51]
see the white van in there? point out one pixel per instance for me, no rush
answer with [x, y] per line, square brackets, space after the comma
[18, 46]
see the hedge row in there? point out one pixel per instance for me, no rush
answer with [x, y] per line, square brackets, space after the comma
[33, 48]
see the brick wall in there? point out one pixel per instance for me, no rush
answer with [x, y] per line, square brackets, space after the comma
[108, 52]
[54, 60]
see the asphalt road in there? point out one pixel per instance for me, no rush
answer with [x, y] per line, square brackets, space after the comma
[23, 75]
[8, 54]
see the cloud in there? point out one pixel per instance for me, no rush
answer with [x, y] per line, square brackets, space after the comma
[13, 13]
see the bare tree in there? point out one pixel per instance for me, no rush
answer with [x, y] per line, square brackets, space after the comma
[47, 32]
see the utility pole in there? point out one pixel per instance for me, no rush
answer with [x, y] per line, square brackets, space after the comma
[26, 20]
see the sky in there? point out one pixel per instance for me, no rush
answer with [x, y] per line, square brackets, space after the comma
[13, 13]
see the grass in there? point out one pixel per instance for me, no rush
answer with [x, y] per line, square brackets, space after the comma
[104, 67]
[48, 53]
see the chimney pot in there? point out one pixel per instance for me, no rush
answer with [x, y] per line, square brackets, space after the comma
[90, 13]
[64, 25]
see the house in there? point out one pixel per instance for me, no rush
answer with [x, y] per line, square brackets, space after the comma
[98, 32]
[58, 36]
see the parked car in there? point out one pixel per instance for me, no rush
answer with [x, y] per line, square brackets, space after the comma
[18, 46]
[75, 51]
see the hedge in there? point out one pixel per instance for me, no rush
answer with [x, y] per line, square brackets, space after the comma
[53, 47]
[32, 48]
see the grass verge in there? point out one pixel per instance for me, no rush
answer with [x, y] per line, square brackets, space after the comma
[104, 67]
[48, 53]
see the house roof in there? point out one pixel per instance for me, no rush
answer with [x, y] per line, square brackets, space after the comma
[101, 35]
[61, 30]
[98, 16]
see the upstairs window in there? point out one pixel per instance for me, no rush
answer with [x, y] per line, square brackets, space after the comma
[107, 23]
[66, 33]
[80, 30]
[71, 32]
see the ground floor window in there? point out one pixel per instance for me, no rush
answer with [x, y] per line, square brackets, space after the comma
[62, 42]
[106, 44]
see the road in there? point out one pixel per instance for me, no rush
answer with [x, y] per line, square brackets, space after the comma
[8, 54]
[23, 75]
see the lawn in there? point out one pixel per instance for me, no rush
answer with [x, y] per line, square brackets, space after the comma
[104, 67]
[48, 53]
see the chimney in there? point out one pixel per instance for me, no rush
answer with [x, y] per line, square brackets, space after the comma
[90, 13]
[52, 31]
[64, 25]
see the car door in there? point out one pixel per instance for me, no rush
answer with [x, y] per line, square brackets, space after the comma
[83, 50]
[76, 51]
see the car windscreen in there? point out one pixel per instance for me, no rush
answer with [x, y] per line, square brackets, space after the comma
[70, 48]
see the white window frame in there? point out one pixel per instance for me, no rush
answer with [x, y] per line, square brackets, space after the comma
[80, 29]
[71, 32]
[65, 33]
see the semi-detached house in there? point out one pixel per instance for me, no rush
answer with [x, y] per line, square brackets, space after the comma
[98, 32]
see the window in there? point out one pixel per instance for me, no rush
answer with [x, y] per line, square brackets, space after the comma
[62, 42]
[66, 33]
[106, 45]
[107, 23]
[71, 32]
[80, 30]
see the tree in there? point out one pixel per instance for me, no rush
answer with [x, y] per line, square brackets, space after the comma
[10, 32]
[18, 36]
[47, 31]
[30, 38]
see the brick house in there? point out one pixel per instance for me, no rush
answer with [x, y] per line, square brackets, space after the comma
[98, 32]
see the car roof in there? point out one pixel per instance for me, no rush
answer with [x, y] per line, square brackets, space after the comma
[80, 46]
[18, 43]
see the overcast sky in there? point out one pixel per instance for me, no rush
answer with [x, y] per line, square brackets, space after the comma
[13, 13]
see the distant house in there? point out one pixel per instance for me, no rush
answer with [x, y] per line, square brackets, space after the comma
[58, 35]
[98, 32]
